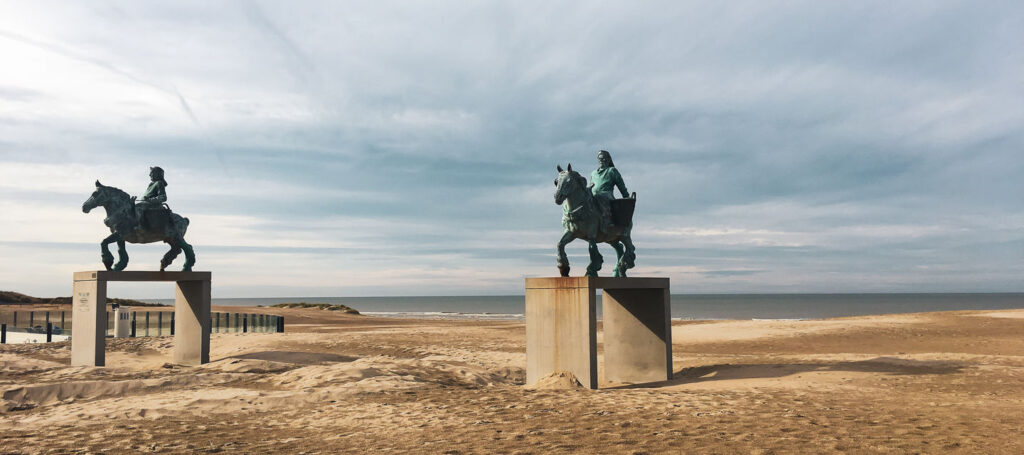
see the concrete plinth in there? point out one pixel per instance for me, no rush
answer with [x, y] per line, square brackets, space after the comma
[191, 309]
[561, 328]
[122, 322]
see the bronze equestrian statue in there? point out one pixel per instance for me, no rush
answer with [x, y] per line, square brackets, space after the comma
[593, 214]
[147, 221]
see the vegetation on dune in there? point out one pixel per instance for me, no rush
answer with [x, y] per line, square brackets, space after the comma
[322, 306]
[17, 297]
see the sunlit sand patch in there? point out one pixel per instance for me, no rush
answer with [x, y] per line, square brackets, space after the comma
[1005, 314]
[725, 331]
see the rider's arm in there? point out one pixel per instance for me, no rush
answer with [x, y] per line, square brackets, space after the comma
[161, 195]
[155, 193]
[620, 183]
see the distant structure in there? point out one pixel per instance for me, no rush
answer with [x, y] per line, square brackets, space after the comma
[593, 214]
[146, 221]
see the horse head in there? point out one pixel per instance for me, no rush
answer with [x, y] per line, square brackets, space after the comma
[105, 196]
[567, 183]
[96, 199]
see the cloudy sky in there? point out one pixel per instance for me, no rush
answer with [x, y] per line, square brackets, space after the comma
[408, 148]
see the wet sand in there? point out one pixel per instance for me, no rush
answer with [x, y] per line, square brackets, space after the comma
[950, 382]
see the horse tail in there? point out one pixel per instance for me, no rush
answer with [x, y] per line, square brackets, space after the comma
[180, 224]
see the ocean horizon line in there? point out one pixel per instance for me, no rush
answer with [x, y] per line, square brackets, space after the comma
[674, 294]
[683, 306]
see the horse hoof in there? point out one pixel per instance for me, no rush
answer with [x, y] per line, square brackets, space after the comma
[563, 270]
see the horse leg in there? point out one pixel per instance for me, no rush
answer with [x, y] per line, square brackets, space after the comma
[190, 256]
[629, 258]
[595, 259]
[122, 255]
[108, 259]
[563, 260]
[170, 255]
[619, 270]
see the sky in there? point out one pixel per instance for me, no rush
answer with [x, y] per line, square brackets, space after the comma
[369, 148]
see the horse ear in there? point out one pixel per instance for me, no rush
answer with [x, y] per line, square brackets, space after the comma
[98, 184]
[559, 168]
[570, 167]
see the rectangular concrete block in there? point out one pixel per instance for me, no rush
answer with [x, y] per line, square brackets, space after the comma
[561, 328]
[141, 275]
[561, 333]
[89, 323]
[192, 322]
[122, 322]
[637, 335]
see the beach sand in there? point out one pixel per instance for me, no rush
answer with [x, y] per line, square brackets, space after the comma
[950, 382]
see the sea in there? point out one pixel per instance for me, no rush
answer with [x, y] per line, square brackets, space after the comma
[684, 306]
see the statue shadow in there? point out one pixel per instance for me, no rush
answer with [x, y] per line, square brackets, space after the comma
[724, 372]
[296, 357]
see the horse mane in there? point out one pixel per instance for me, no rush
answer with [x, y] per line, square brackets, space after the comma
[581, 180]
[117, 192]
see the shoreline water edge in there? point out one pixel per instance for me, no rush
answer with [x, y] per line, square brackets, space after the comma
[684, 306]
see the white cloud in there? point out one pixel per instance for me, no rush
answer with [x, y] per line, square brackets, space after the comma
[420, 139]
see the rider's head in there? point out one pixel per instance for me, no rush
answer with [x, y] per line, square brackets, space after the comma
[605, 159]
[156, 173]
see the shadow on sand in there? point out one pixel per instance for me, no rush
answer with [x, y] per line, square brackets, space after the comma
[728, 371]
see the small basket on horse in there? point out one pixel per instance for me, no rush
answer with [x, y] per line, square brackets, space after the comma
[622, 210]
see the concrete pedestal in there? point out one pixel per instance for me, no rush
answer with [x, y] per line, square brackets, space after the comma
[191, 314]
[122, 322]
[561, 328]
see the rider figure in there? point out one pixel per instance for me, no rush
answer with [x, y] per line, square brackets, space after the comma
[154, 197]
[603, 182]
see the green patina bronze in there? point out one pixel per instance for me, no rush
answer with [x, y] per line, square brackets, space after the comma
[593, 214]
[146, 221]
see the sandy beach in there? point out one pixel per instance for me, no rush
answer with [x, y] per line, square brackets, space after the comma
[950, 382]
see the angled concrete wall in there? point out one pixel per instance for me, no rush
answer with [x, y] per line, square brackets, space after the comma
[637, 335]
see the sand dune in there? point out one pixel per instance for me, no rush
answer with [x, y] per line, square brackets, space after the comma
[933, 383]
